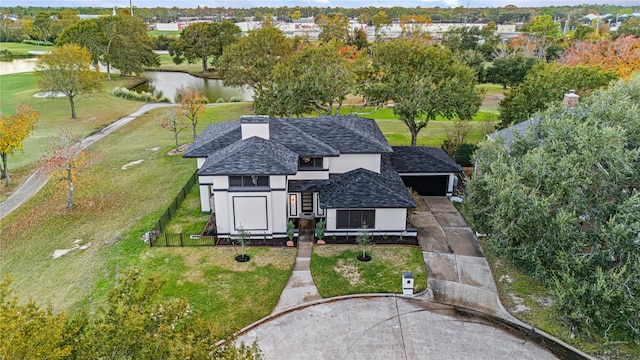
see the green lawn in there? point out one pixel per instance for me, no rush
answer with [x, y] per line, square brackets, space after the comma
[336, 271]
[166, 63]
[21, 49]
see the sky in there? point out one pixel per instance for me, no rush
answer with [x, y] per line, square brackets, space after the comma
[317, 3]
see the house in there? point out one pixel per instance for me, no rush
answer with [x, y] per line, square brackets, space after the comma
[257, 173]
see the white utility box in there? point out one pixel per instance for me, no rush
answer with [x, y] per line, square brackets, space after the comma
[407, 283]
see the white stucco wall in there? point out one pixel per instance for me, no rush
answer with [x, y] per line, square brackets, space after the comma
[348, 162]
[279, 211]
[255, 129]
[278, 182]
[391, 219]
[251, 212]
[204, 198]
[200, 162]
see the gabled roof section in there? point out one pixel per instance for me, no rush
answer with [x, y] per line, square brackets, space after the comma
[304, 144]
[362, 188]
[513, 132]
[347, 134]
[418, 159]
[252, 156]
[213, 138]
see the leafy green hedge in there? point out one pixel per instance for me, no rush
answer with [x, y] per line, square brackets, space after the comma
[125, 93]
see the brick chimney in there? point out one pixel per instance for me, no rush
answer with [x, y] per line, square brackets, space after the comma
[571, 99]
[257, 125]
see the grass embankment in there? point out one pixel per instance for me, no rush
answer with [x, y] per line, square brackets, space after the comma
[336, 271]
[93, 112]
[115, 206]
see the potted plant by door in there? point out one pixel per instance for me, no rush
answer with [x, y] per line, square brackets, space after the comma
[290, 233]
[320, 227]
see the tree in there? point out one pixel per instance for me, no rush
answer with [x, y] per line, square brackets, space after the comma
[414, 26]
[461, 38]
[174, 122]
[202, 41]
[545, 83]
[510, 70]
[629, 27]
[28, 332]
[13, 130]
[423, 82]
[67, 69]
[334, 27]
[192, 106]
[118, 41]
[380, 19]
[66, 159]
[621, 55]
[314, 79]
[544, 30]
[562, 203]
[250, 60]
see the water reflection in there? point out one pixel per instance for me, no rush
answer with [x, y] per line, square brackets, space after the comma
[167, 84]
[17, 66]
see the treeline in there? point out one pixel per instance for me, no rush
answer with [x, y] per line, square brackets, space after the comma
[461, 14]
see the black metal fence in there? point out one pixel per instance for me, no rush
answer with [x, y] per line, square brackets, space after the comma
[173, 208]
[180, 240]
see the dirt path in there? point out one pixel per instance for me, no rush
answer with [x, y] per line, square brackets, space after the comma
[35, 182]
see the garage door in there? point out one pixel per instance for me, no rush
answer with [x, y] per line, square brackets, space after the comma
[427, 185]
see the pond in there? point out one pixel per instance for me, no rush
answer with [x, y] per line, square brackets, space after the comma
[17, 66]
[160, 82]
[167, 84]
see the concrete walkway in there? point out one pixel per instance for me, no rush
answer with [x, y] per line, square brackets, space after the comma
[35, 181]
[300, 288]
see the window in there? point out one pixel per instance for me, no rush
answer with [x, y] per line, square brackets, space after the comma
[309, 163]
[353, 219]
[248, 181]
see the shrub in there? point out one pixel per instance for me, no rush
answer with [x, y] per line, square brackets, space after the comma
[125, 93]
[235, 99]
[464, 154]
[38, 42]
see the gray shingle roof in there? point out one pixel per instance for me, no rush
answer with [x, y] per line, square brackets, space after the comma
[307, 185]
[213, 138]
[347, 134]
[252, 156]
[418, 159]
[510, 134]
[319, 136]
[362, 188]
[284, 132]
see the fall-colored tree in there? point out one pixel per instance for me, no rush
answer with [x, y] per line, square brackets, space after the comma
[192, 105]
[13, 130]
[621, 55]
[67, 70]
[174, 122]
[66, 160]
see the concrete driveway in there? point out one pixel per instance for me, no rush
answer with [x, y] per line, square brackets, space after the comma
[386, 327]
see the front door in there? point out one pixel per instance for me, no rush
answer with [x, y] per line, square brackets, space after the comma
[307, 202]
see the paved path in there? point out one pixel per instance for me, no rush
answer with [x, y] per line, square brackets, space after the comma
[35, 182]
[457, 271]
[300, 288]
[386, 327]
